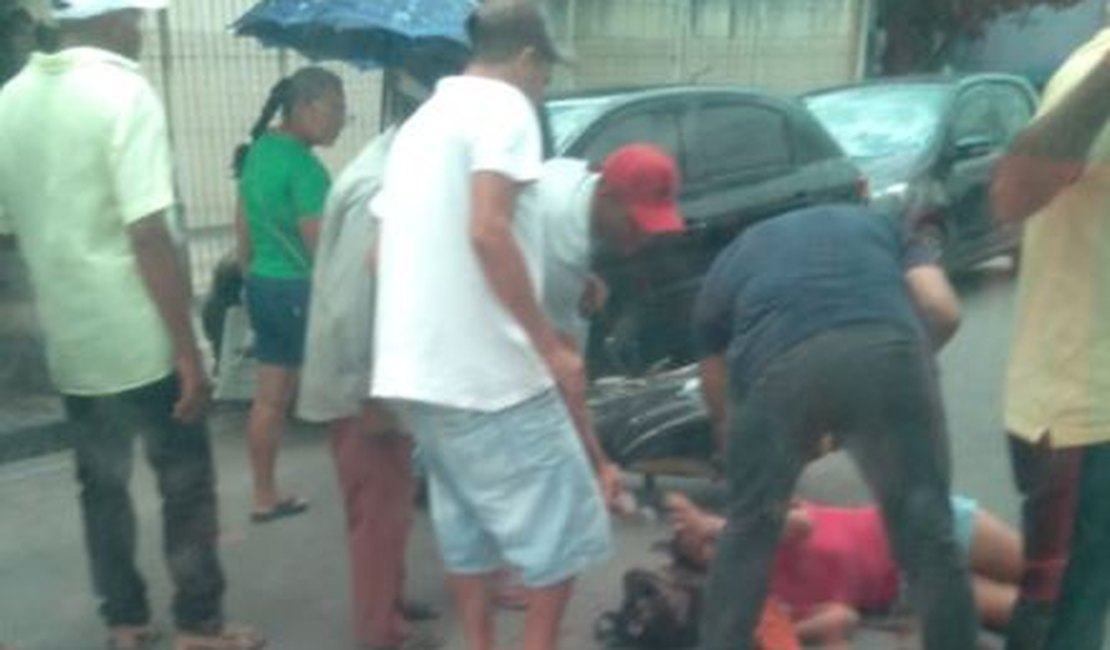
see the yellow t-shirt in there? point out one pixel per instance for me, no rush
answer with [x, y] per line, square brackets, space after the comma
[1059, 373]
[83, 154]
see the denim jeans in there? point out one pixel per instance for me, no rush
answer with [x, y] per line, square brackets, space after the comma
[180, 455]
[874, 387]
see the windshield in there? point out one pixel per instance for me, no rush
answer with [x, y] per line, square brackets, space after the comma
[881, 121]
[567, 117]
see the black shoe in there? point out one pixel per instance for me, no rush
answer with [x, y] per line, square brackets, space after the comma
[415, 611]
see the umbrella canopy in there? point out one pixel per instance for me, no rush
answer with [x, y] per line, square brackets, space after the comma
[423, 37]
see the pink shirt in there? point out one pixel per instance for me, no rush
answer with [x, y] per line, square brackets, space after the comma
[845, 559]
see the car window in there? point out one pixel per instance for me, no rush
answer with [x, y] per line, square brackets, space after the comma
[658, 127]
[1014, 108]
[728, 140]
[975, 117]
[882, 120]
[566, 118]
[993, 112]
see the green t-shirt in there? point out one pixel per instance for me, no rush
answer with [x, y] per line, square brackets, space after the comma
[281, 185]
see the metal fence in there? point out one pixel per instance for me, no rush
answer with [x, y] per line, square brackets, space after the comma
[215, 83]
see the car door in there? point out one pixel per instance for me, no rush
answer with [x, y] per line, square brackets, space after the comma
[985, 118]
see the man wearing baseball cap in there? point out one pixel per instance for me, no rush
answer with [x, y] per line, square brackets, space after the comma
[85, 187]
[631, 199]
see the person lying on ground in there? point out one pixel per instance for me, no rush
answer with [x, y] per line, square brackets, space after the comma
[835, 563]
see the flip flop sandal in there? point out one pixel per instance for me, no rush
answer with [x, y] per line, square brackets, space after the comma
[416, 611]
[284, 508]
[142, 640]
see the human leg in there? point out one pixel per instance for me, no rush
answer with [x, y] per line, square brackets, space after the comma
[894, 428]
[471, 594]
[1048, 480]
[181, 457]
[996, 549]
[994, 601]
[375, 479]
[103, 455]
[469, 553]
[1080, 618]
[765, 452]
[273, 393]
[546, 606]
[278, 313]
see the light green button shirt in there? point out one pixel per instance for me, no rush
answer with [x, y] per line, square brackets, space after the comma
[1059, 374]
[84, 154]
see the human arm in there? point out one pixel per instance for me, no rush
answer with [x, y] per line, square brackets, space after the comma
[310, 232]
[1050, 154]
[936, 302]
[309, 193]
[140, 168]
[594, 297]
[713, 321]
[714, 390]
[168, 287]
[827, 623]
[493, 201]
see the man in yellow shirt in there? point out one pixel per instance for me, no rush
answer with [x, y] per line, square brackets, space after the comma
[85, 183]
[1058, 386]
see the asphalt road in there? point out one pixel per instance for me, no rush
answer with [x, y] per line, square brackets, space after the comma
[290, 577]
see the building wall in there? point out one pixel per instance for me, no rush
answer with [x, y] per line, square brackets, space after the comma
[786, 45]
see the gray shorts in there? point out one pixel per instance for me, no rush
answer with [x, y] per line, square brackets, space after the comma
[511, 486]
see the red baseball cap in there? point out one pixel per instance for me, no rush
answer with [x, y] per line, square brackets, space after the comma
[646, 180]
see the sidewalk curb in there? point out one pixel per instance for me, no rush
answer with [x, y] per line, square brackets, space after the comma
[36, 440]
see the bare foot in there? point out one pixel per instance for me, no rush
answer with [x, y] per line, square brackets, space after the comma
[694, 529]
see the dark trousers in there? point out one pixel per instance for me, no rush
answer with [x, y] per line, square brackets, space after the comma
[875, 387]
[181, 458]
[1065, 588]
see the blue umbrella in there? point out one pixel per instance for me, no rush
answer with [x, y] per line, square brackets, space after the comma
[424, 37]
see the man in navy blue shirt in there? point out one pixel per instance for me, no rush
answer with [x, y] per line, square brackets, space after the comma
[823, 321]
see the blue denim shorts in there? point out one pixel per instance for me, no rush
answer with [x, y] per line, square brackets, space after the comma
[511, 487]
[278, 310]
[964, 512]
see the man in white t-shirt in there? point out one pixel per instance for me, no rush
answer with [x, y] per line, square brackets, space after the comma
[462, 345]
[85, 186]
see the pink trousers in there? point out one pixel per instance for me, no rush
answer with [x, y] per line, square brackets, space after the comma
[375, 478]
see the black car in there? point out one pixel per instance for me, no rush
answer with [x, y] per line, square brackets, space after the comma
[744, 155]
[930, 144]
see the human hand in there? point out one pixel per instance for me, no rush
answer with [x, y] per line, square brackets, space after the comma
[194, 388]
[594, 297]
[612, 488]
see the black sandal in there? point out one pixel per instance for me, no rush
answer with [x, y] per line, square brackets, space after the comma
[285, 508]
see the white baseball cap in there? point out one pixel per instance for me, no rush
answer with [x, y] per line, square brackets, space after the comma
[82, 9]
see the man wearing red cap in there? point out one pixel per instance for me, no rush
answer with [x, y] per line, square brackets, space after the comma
[632, 199]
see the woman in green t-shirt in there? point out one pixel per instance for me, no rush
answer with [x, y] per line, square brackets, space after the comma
[282, 188]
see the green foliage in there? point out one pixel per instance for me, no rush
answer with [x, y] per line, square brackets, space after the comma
[920, 32]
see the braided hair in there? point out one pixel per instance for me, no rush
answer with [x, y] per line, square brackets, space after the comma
[304, 85]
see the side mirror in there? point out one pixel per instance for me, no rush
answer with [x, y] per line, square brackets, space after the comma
[973, 146]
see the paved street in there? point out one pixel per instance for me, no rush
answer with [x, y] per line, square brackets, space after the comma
[290, 577]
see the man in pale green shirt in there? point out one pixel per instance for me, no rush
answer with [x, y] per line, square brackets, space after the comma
[85, 183]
